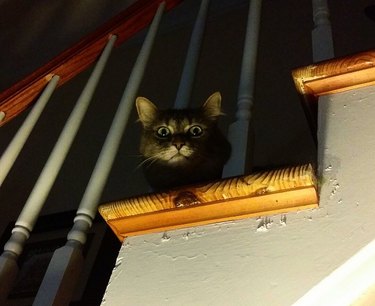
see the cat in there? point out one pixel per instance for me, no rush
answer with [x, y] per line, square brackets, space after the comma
[182, 146]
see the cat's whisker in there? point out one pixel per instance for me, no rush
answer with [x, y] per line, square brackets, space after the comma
[152, 159]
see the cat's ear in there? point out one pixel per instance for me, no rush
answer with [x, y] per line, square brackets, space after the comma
[146, 110]
[212, 106]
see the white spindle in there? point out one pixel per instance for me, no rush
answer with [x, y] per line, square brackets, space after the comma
[45, 181]
[240, 133]
[14, 148]
[322, 41]
[99, 176]
[26, 220]
[191, 61]
[66, 263]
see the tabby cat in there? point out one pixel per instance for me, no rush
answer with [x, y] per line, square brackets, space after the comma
[182, 146]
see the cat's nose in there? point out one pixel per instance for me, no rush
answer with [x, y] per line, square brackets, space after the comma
[178, 144]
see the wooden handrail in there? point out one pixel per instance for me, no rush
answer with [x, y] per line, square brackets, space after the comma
[80, 56]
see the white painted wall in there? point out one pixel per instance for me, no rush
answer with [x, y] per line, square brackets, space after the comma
[271, 261]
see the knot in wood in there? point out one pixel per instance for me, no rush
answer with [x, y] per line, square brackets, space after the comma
[185, 198]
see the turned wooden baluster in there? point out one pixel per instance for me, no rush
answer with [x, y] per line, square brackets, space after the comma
[322, 49]
[30, 212]
[192, 56]
[322, 42]
[240, 132]
[11, 153]
[66, 264]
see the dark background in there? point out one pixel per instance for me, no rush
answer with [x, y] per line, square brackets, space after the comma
[31, 33]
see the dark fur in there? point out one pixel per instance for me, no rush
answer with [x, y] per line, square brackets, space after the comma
[181, 158]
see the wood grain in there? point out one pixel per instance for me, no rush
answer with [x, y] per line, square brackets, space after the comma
[263, 193]
[337, 75]
[332, 76]
[80, 56]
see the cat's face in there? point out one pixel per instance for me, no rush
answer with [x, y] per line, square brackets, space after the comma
[177, 137]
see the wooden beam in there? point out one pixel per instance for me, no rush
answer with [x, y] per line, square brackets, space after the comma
[258, 194]
[80, 56]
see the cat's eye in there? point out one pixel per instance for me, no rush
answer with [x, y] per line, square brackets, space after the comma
[163, 132]
[195, 131]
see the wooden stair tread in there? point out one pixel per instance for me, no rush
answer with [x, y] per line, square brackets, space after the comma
[262, 193]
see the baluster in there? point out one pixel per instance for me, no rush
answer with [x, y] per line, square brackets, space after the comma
[322, 49]
[29, 214]
[192, 56]
[65, 267]
[240, 132]
[322, 42]
[14, 148]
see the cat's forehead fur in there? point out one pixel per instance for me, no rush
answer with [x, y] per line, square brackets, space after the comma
[151, 116]
[180, 120]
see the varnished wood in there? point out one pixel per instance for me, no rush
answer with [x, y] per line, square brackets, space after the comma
[332, 76]
[253, 195]
[337, 75]
[79, 57]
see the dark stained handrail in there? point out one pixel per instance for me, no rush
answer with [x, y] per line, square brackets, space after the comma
[80, 56]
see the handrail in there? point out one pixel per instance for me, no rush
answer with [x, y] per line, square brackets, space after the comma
[77, 58]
